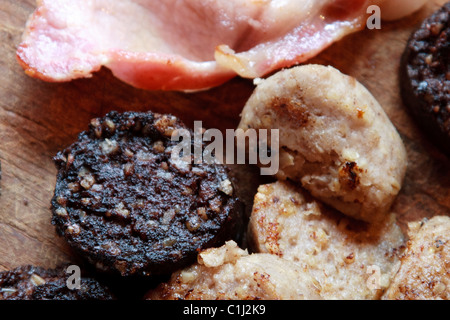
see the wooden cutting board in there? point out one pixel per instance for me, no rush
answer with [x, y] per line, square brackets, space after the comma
[37, 119]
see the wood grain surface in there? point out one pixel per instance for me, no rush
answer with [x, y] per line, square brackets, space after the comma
[37, 119]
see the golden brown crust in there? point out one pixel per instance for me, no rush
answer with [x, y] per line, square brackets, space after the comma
[425, 269]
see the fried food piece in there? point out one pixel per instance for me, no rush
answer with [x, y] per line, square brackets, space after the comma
[334, 138]
[36, 283]
[125, 204]
[230, 273]
[338, 252]
[425, 268]
[425, 77]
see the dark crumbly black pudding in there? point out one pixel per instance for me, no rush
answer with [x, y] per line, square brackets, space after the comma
[122, 203]
[425, 77]
[36, 283]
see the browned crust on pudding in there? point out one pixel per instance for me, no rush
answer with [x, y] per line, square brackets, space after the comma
[425, 269]
[334, 138]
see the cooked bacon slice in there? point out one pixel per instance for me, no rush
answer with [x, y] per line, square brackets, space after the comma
[181, 45]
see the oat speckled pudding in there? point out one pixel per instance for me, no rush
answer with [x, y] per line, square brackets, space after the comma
[425, 77]
[36, 283]
[122, 202]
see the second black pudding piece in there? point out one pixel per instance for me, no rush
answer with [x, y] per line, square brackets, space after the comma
[425, 77]
[36, 283]
[122, 202]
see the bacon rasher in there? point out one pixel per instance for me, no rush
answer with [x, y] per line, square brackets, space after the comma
[183, 44]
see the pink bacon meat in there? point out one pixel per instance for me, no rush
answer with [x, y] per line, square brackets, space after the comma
[181, 44]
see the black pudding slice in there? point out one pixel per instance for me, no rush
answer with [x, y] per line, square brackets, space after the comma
[36, 283]
[122, 203]
[425, 77]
